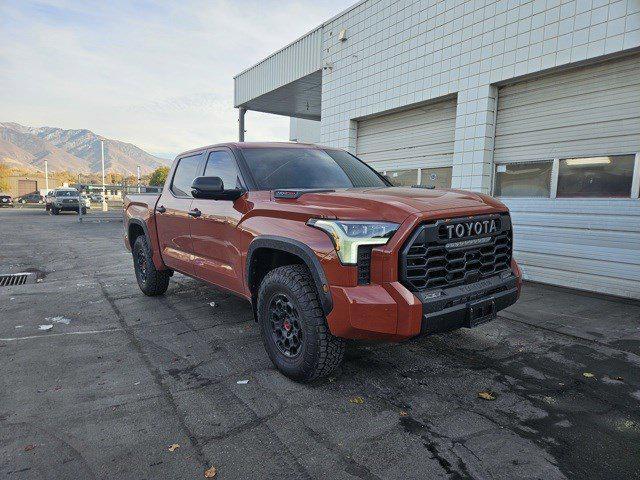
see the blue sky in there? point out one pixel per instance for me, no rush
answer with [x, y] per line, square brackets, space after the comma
[157, 74]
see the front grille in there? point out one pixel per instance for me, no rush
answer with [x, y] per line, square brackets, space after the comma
[429, 260]
[364, 264]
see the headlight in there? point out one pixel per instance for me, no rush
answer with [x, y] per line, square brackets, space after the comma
[348, 235]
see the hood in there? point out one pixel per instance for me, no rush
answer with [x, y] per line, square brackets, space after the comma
[395, 204]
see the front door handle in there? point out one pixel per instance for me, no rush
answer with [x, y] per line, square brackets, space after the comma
[161, 209]
[195, 213]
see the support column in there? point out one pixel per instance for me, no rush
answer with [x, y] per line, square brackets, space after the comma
[474, 139]
[241, 112]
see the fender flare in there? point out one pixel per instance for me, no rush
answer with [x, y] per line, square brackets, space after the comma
[156, 255]
[136, 221]
[302, 251]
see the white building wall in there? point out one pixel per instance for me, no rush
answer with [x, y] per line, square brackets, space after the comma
[399, 53]
[304, 131]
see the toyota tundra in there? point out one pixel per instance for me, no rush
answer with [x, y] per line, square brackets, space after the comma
[324, 248]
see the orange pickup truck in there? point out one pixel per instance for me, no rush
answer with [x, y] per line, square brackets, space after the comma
[324, 248]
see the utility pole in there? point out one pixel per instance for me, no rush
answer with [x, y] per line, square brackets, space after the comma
[138, 171]
[46, 176]
[104, 192]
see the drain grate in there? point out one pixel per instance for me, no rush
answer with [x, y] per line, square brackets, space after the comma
[12, 279]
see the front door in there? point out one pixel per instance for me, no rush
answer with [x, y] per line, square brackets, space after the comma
[172, 215]
[217, 258]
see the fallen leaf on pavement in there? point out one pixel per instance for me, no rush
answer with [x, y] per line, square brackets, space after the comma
[618, 378]
[487, 395]
[403, 413]
[174, 447]
[242, 382]
[588, 375]
[210, 473]
[357, 399]
[28, 448]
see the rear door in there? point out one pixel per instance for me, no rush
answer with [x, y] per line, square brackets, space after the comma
[217, 259]
[172, 214]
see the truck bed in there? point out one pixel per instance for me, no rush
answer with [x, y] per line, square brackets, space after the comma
[137, 201]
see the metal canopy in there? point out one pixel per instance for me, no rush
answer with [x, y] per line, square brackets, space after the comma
[287, 82]
[300, 98]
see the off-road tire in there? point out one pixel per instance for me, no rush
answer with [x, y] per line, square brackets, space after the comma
[320, 352]
[55, 211]
[151, 281]
[84, 211]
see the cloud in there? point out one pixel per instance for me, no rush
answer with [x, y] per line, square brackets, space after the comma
[159, 75]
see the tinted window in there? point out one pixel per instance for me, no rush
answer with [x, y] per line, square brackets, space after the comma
[596, 176]
[186, 171]
[222, 164]
[275, 168]
[523, 180]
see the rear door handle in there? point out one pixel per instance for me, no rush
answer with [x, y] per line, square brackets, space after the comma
[195, 212]
[161, 209]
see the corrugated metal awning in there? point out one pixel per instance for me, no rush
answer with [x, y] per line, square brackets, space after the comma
[288, 82]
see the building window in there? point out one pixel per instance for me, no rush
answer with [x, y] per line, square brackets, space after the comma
[436, 177]
[524, 179]
[596, 176]
[403, 178]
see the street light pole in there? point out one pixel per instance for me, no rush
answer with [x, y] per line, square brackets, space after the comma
[138, 172]
[104, 192]
[46, 176]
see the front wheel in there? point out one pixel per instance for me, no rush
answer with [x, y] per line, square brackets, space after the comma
[151, 281]
[294, 329]
[55, 211]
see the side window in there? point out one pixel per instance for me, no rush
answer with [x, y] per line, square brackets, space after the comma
[186, 171]
[439, 177]
[403, 178]
[526, 179]
[610, 176]
[222, 164]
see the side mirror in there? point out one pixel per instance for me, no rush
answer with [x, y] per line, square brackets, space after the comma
[212, 188]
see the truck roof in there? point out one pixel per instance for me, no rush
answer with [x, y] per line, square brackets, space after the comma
[247, 145]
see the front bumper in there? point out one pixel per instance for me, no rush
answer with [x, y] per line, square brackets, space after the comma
[71, 206]
[390, 312]
[467, 305]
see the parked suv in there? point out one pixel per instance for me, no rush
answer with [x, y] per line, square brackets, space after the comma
[324, 248]
[66, 200]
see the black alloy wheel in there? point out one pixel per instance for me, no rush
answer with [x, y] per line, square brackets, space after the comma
[286, 332]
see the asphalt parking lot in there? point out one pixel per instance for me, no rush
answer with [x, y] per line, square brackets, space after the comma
[120, 378]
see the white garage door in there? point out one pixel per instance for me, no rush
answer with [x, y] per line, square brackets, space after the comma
[404, 142]
[566, 150]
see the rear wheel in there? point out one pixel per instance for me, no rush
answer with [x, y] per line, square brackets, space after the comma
[151, 281]
[294, 329]
[55, 211]
[84, 211]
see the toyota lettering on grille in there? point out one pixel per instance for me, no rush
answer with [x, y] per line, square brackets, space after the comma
[471, 228]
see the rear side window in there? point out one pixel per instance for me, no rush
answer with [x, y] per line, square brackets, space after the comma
[187, 170]
[222, 164]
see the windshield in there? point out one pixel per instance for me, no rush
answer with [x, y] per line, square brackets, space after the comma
[66, 193]
[278, 168]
